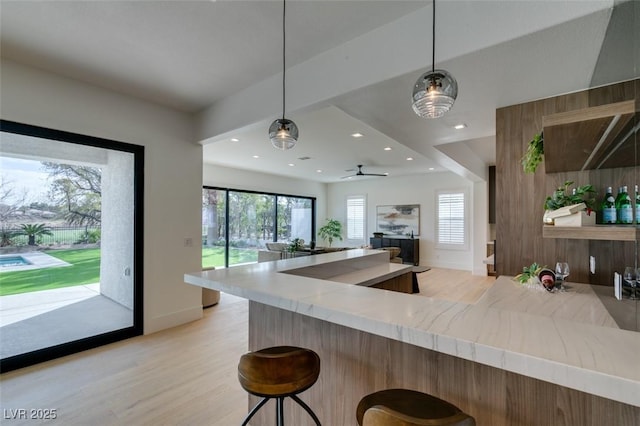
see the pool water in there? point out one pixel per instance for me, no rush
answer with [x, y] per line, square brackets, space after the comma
[12, 261]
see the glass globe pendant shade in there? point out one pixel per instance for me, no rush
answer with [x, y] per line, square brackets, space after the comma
[434, 94]
[283, 134]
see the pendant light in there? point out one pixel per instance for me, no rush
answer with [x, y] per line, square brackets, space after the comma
[282, 132]
[435, 91]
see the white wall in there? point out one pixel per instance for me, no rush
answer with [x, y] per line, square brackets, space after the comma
[421, 190]
[173, 174]
[226, 177]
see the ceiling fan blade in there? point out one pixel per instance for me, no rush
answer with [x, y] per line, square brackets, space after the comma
[361, 173]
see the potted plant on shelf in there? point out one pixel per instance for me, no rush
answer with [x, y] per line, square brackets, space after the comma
[565, 202]
[331, 230]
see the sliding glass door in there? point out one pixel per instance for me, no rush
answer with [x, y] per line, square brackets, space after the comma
[71, 243]
[237, 224]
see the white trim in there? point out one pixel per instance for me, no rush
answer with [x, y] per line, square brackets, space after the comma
[466, 223]
[356, 241]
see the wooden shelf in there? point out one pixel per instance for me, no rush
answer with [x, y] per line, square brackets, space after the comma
[598, 137]
[598, 232]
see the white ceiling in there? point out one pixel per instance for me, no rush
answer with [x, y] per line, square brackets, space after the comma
[203, 56]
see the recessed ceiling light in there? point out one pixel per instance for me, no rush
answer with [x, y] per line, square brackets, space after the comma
[318, 171]
[431, 168]
[460, 126]
[291, 164]
[386, 173]
[388, 148]
[235, 140]
[409, 158]
[356, 135]
[256, 156]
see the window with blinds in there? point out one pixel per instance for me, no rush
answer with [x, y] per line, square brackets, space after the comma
[451, 220]
[356, 214]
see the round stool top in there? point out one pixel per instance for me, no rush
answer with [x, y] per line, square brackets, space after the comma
[278, 371]
[404, 407]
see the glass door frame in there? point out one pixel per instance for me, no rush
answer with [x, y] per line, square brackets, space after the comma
[136, 329]
[275, 212]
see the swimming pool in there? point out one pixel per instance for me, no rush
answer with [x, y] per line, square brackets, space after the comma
[7, 261]
[26, 261]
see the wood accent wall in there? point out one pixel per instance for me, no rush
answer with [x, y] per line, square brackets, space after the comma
[520, 197]
[355, 363]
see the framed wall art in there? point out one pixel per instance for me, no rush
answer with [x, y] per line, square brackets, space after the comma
[398, 219]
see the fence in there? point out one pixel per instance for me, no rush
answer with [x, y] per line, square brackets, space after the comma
[60, 235]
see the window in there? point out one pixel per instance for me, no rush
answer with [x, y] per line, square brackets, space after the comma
[237, 224]
[451, 220]
[356, 214]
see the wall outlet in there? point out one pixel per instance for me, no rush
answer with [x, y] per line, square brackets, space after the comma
[592, 264]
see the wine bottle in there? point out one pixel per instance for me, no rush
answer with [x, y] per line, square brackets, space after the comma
[609, 207]
[624, 209]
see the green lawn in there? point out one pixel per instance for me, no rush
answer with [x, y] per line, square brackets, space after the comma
[85, 269]
[214, 256]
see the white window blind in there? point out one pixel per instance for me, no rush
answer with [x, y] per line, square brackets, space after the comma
[356, 205]
[451, 218]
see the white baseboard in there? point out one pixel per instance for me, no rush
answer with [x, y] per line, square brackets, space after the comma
[152, 325]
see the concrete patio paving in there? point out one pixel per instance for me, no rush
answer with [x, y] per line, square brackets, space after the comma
[41, 319]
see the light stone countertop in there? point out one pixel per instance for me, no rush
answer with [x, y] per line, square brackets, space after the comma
[563, 338]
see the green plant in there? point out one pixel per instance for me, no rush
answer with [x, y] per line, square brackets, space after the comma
[528, 272]
[333, 229]
[89, 237]
[32, 231]
[534, 154]
[562, 197]
[6, 237]
[295, 245]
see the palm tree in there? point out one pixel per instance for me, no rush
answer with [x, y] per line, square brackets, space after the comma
[6, 237]
[34, 230]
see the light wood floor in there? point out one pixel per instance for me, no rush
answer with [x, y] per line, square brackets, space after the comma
[182, 376]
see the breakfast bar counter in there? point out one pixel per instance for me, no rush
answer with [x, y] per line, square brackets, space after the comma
[502, 359]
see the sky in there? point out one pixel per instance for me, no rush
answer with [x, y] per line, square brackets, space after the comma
[25, 175]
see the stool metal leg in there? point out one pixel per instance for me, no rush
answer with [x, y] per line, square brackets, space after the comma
[254, 410]
[280, 411]
[306, 408]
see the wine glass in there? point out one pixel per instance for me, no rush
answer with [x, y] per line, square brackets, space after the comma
[630, 277]
[562, 272]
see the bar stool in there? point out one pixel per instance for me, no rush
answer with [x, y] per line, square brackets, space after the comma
[404, 407]
[279, 372]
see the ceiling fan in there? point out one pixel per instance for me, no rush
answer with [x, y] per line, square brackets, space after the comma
[361, 173]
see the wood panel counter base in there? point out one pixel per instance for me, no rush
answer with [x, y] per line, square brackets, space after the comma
[355, 363]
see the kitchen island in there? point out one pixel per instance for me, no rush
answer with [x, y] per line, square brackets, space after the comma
[499, 359]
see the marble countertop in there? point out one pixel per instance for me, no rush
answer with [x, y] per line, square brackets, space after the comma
[562, 338]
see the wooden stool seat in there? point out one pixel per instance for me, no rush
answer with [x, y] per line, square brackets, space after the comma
[404, 407]
[279, 372]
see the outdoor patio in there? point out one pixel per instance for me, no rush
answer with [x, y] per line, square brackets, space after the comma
[35, 320]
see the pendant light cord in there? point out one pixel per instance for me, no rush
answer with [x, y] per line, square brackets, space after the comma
[433, 39]
[284, 65]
